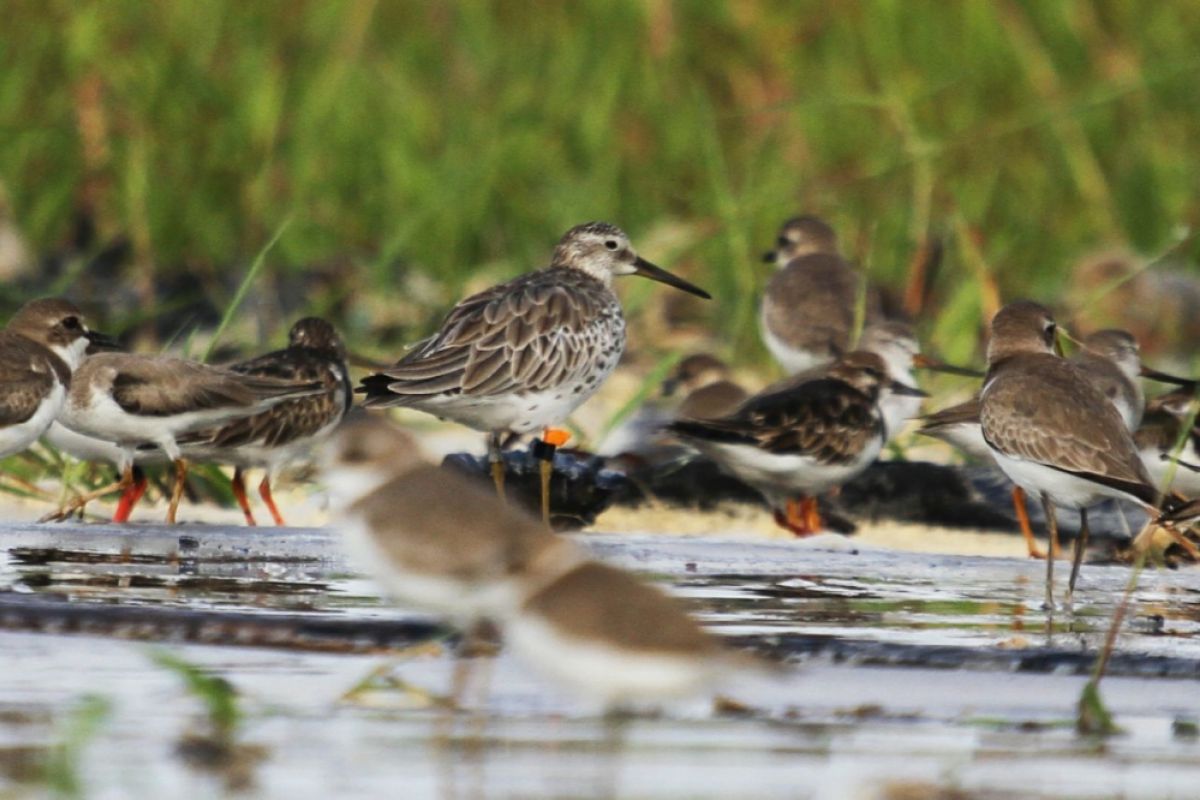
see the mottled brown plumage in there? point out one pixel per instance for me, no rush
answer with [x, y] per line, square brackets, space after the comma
[315, 354]
[534, 333]
[520, 356]
[832, 417]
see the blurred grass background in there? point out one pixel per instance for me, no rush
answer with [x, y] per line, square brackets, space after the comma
[425, 149]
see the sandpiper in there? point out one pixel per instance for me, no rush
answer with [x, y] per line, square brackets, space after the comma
[431, 537]
[803, 439]
[440, 543]
[1169, 441]
[896, 343]
[139, 400]
[1052, 430]
[1113, 360]
[521, 356]
[601, 631]
[807, 314]
[1110, 359]
[707, 387]
[39, 347]
[287, 431]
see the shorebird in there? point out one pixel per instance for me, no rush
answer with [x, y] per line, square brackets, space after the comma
[430, 537]
[440, 543]
[1169, 426]
[804, 438]
[287, 431]
[1053, 431]
[146, 401]
[39, 347]
[521, 356]
[807, 315]
[1113, 360]
[1112, 363]
[706, 385]
[604, 633]
[896, 343]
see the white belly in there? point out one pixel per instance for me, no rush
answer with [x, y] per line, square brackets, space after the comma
[897, 410]
[15, 438]
[104, 419]
[793, 360]
[1065, 490]
[782, 477]
[967, 437]
[1184, 481]
[83, 447]
[442, 594]
[517, 413]
[601, 670]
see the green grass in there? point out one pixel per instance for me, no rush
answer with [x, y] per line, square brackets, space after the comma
[455, 142]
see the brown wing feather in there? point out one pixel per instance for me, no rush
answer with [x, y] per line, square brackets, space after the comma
[292, 419]
[825, 418]
[160, 386]
[524, 335]
[27, 373]
[1033, 409]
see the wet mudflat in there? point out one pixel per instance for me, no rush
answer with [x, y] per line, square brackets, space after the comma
[905, 675]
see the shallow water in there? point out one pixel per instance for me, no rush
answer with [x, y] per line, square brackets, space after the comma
[982, 703]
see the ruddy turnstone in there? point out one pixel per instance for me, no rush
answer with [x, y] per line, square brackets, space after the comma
[803, 439]
[807, 314]
[1052, 430]
[1169, 441]
[39, 347]
[138, 400]
[287, 431]
[521, 356]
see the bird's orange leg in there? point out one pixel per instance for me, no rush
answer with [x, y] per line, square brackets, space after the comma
[264, 491]
[130, 497]
[812, 514]
[792, 518]
[1018, 499]
[238, 484]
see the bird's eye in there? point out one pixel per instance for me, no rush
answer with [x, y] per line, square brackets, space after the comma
[71, 323]
[611, 244]
[783, 241]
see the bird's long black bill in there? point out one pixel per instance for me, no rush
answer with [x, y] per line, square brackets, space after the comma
[647, 270]
[1163, 377]
[937, 365]
[908, 391]
[99, 342]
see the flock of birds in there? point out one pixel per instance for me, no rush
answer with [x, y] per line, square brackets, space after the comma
[520, 357]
